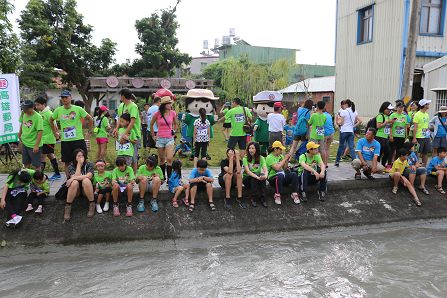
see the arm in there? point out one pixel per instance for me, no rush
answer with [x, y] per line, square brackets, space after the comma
[39, 138]
[90, 121]
[54, 128]
[175, 124]
[194, 134]
[152, 127]
[415, 129]
[130, 127]
[238, 164]
[357, 121]
[362, 160]
[374, 164]
[3, 200]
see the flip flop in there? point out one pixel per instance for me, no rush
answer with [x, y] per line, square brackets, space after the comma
[185, 202]
[174, 204]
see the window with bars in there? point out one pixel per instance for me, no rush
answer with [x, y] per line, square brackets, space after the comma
[432, 17]
[441, 99]
[365, 25]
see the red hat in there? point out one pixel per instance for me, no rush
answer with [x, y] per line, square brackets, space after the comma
[103, 108]
[163, 92]
[278, 104]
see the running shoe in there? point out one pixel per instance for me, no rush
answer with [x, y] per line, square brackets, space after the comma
[55, 177]
[154, 205]
[140, 206]
[116, 210]
[129, 210]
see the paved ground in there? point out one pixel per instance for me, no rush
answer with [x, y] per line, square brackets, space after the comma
[342, 173]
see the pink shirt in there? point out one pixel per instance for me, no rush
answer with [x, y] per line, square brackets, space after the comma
[164, 130]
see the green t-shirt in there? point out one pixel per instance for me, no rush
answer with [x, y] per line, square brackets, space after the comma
[13, 181]
[237, 117]
[40, 187]
[70, 121]
[123, 177]
[422, 121]
[262, 132]
[225, 112]
[102, 129]
[104, 180]
[399, 126]
[48, 135]
[313, 161]
[132, 109]
[384, 131]
[127, 148]
[271, 160]
[255, 168]
[145, 172]
[317, 122]
[31, 125]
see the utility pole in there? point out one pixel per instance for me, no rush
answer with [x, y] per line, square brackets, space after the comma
[410, 52]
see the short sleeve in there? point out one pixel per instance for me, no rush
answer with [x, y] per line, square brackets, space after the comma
[302, 158]
[131, 173]
[139, 171]
[55, 114]
[71, 169]
[208, 173]
[380, 118]
[245, 161]
[263, 163]
[359, 145]
[39, 122]
[82, 112]
[133, 111]
[193, 174]
[377, 148]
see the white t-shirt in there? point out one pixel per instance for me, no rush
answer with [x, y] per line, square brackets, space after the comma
[348, 120]
[152, 110]
[276, 122]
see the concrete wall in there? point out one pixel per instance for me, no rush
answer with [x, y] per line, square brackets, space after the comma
[198, 63]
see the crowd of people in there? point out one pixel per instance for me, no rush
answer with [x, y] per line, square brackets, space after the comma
[393, 142]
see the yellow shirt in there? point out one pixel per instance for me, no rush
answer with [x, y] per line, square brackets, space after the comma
[399, 166]
[422, 119]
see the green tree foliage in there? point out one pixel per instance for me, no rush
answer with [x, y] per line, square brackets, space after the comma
[9, 43]
[55, 37]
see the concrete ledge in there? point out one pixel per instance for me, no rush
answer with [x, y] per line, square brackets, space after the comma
[364, 203]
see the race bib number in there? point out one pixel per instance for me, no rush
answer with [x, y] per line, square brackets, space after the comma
[239, 118]
[386, 130]
[320, 130]
[70, 132]
[123, 147]
[16, 191]
[400, 131]
[202, 132]
[426, 132]
[35, 188]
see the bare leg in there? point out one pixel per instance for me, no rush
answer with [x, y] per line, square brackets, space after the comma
[422, 178]
[129, 193]
[193, 194]
[410, 187]
[228, 179]
[209, 192]
[396, 177]
[178, 191]
[100, 196]
[440, 178]
[73, 191]
[239, 185]
[412, 177]
[156, 183]
[87, 187]
[115, 192]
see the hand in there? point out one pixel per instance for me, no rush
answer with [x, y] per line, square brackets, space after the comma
[414, 141]
[36, 149]
[58, 135]
[69, 181]
[391, 138]
[154, 137]
[262, 177]
[230, 155]
[2, 204]
[80, 159]
[115, 133]
[287, 156]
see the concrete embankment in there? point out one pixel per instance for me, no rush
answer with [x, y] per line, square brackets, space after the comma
[349, 203]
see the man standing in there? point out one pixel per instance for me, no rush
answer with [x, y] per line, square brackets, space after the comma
[368, 151]
[421, 132]
[276, 122]
[48, 139]
[30, 134]
[238, 115]
[143, 118]
[70, 118]
[129, 107]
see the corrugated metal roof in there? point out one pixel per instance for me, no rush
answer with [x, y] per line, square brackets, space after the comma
[323, 84]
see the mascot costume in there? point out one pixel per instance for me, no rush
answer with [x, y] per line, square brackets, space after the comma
[263, 105]
[194, 100]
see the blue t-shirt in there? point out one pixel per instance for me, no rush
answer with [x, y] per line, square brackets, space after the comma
[412, 159]
[441, 130]
[152, 110]
[435, 161]
[289, 134]
[195, 174]
[303, 112]
[174, 181]
[328, 125]
[368, 149]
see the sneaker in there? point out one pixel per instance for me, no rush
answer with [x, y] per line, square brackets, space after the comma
[227, 203]
[241, 203]
[129, 210]
[39, 209]
[297, 200]
[116, 210]
[394, 191]
[98, 208]
[17, 219]
[106, 207]
[154, 205]
[278, 201]
[303, 197]
[29, 208]
[10, 223]
[140, 206]
[337, 164]
[264, 202]
[321, 195]
[55, 177]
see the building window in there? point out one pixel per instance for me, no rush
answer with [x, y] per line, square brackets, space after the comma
[365, 25]
[326, 99]
[432, 17]
[441, 99]
[112, 104]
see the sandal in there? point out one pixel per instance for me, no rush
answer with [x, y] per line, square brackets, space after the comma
[212, 206]
[394, 191]
[185, 201]
[358, 176]
[424, 190]
[417, 202]
[174, 204]
[191, 207]
[440, 190]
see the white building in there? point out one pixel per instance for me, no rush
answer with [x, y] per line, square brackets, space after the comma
[371, 40]
[199, 63]
[435, 82]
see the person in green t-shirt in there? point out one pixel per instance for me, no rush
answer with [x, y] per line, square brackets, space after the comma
[398, 129]
[237, 116]
[278, 177]
[227, 123]
[126, 144]
[123, 180]
[14, 195]
[48, 138]
[255, 174]
[311, 171]
[102, 126]
[72, 137]
[149, 176]
[316, 122]
[39, 190]
[413, 110]
[102, 182]
[421, 132]
[30, 134]
[384, 124]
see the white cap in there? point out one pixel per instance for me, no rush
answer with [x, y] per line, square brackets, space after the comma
[390, 107]
[266, 96]
[424, 102]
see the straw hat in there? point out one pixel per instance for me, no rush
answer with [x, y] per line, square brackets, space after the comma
[166, 99]
[200, 93]
[442, 109]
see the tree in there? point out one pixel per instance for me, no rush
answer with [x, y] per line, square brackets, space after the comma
[55, 38]
[9, 43]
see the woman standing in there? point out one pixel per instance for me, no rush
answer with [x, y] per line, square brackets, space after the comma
[166, 120]
[101, 128]
[201, 137]
[438, 125]
[398, 130]
[347, 119]
[384, 124]
[329, 131]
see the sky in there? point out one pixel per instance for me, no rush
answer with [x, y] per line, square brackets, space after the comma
[307, 25]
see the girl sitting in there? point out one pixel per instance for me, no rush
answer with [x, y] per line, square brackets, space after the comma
[103, 185]
[176, 185]
[40, 189]
[149, 177]
[255, 174]
[231, 175]
[123, 180]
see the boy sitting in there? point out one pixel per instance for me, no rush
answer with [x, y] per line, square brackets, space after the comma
[201, 179]
[437, 167]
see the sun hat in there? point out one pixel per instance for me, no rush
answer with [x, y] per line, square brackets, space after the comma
[200, 93]
[442, 109]
[278, 144]
[312, 145]
[163, 92]
[166, 100]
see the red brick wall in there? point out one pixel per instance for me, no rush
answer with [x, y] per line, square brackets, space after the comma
[291, 101]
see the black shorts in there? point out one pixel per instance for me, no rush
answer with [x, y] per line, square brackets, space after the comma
[103, 191]
[67, 149]
[241, 141]
[227, 125]
[48, 148]
[299, 138]
[221, 181]
[200, 186]
[397, 144]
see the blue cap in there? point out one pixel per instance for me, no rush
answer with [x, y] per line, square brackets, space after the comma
[65, 93]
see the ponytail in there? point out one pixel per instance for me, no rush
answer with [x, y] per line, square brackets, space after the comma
[202, 113]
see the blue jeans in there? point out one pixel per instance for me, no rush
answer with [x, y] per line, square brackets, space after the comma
[345, 137]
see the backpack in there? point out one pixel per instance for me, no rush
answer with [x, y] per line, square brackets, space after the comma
[301, 126]
[301, 150]
[372, 123]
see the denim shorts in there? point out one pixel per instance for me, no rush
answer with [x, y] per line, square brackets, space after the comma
[164, 142]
